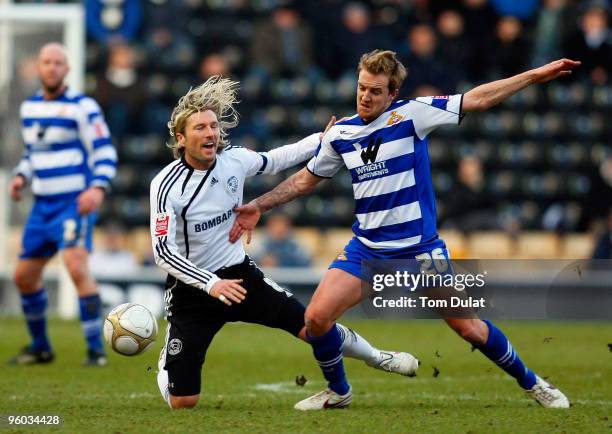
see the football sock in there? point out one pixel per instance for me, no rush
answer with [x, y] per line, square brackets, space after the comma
[498, 349]
[34, 308]
[327, 350]
[91, 322]
[356, 347]
[162, 378]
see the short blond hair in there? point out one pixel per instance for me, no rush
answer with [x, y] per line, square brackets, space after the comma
[216, 94]
[384, 62]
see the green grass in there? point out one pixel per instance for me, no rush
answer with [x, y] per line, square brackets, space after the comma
[249, 383]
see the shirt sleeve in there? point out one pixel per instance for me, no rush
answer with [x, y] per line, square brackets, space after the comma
[431, 112]
[283, 157]
[326, 161]
[24, 168]
[163, 236]
[96, 135]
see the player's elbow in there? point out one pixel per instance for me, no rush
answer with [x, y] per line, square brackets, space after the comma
[305, 182]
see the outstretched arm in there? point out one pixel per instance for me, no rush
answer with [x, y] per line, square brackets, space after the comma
[290, 155]
[490, 94]
[298, 184]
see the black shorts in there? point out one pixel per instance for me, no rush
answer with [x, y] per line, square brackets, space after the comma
[195, 317]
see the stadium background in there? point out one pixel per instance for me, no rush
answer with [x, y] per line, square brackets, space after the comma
[531, 178]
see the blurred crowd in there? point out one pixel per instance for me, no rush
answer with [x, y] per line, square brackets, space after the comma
[541, 161]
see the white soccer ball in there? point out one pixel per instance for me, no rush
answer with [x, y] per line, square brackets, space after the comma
[130, 329]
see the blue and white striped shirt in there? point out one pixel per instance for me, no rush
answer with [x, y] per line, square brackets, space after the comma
[68, 147]
[389, 165]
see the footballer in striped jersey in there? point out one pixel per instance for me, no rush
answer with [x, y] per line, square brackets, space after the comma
[384, 147]
[69, 161]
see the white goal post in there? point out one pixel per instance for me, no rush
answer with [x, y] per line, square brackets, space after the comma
[70, 16]
[24, 28]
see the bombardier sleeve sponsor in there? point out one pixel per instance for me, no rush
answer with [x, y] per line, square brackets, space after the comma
[217, 220]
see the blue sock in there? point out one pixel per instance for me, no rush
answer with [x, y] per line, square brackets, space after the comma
[90, 307]
[499, 350]
[327, 350]
[34, 307]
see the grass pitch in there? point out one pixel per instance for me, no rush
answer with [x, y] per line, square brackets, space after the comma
[249, 383]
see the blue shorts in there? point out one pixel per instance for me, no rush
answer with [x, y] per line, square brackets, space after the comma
[423, 256]
[56, 224]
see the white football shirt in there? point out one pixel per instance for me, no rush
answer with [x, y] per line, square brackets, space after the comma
[192, 210]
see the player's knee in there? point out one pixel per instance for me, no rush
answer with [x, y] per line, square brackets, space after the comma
[317, 321]
[178, 402]
[77, 268]
[26, 281]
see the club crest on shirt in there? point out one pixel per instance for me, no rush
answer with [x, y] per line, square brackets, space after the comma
[232, 184]
[162, 223]
[341, 256]
[394, 118]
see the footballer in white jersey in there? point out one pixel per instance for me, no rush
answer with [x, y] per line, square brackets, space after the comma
[212, 281]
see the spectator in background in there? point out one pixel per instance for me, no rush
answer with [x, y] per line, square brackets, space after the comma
[603, 246]
[279, 248]
[554, 22]
[118, 20]
[355, 37]
[170, 50]
[120, 91]
[324, 14]
[509, 55]
[592, 43]
[281, 45]
[480, 20]
[454, 45]
[468, 207]
[425, 67]
[522, 9]
[213, 64]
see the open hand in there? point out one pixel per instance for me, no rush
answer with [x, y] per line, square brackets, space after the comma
[90, 200]
[247, 217]
[16, 187]
[330, 124]
[556, 69]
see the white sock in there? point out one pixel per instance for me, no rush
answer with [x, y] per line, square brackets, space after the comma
[356, 347]
[162, 378]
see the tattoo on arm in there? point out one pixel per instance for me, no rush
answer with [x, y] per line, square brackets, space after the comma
[284, 192]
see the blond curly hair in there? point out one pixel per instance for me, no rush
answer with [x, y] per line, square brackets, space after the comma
[216, 94]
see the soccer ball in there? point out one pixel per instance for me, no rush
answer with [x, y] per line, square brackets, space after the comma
[130, 329]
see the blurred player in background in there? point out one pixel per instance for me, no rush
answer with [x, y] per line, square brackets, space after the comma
[384, 146]
[70, 161]
[210, 280]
